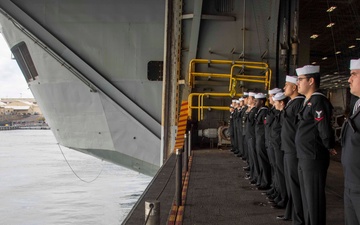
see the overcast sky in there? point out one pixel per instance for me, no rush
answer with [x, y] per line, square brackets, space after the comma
[12, 81]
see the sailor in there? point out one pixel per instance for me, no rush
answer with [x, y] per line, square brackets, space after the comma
[314, 142]
[250, 137]
[272, 193]
[236, 128]
[294, 208]
[243, 123]
[240, 139]
[280, 101]
[231, 125]
[264, 180]
[350, 141]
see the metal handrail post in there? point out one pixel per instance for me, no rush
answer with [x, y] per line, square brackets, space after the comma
[185, 153]
[152, 212]
[189, 143]
[178, 177]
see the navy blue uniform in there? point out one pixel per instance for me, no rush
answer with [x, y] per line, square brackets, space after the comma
[294, 208]
[269, 148]
[231, 130]
[250, 136]
[239, 132]
[275, 136]
[350, 141]
[313, 140]
[236, 131]
[244, 116]
[264, 164]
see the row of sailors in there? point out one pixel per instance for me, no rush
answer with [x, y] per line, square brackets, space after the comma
[288, 146]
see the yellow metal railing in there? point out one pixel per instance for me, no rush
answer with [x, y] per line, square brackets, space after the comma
[233, 79]
[200, 100]
[266, 79]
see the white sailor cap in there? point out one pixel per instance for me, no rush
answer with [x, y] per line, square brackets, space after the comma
[237, 101]
[246, 94]
[274, 91]
[252, 94]
[241, 99]
[260, 95]
[279, 96]
[291, 79]
[234, 100]
[308, 69]
[355, 64]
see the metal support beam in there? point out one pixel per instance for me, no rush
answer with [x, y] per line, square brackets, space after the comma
[195, 29]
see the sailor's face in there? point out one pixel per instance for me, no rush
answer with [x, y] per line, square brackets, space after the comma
[354, 82]
[257, 103]
[271, 101]
[246, 100]
[277, 105]
[251, 100]
[289, 89]
[303, 84]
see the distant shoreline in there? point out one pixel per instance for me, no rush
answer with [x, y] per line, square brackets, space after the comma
[4, 128]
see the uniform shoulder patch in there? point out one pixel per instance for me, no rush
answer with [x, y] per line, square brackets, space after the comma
[319, 115]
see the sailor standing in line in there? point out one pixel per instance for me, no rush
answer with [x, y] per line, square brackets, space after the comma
[231, 125]
[273, 192]
[243, 123]
[350, 158]
[240, 139]
[280, 100]
[294, 209]
[250, 136]
[315, 142]
[235, 128]
[264, 180]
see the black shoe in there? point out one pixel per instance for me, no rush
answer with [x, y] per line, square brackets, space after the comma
[282, 217]
[246, 168]
[271, 202]
[272, 196]
[248, 177]
[253, 182]
[275, 206]
[263, 188]
[236, 152]
[263, 193]
[232, 150]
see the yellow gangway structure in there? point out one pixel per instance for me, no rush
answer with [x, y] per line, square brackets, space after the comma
[231, 77]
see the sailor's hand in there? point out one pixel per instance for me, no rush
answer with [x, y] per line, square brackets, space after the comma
[333, 151]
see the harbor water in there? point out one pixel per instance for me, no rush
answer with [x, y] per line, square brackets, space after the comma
[37, 186]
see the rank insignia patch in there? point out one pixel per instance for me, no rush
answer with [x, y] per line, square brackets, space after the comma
[319, 115]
